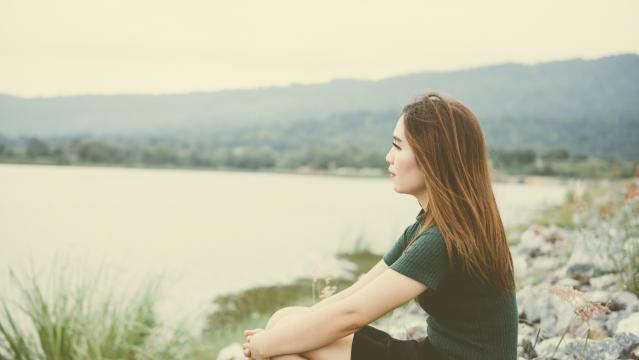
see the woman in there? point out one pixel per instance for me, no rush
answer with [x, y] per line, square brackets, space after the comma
[454, 260]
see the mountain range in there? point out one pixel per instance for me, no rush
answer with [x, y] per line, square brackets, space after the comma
[573, 98]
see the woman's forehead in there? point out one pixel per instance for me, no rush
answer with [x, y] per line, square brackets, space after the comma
[399, 127]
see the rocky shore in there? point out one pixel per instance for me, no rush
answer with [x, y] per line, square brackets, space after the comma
[577, 286]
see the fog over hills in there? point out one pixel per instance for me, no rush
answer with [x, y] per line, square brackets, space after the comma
[601, 90]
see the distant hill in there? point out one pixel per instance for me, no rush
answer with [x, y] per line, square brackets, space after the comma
[585, 106]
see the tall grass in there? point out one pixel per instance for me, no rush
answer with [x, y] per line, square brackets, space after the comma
[71, 318]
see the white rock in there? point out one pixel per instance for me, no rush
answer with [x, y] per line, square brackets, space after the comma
[605, 349]
[627, 299]
[614, 318]
[546, 348]
[540, 304]
[604, 282]
[416, 329]
[627, 341]
[567, 283]
[531, 239]
[406, 328]
[629, 324]
[526, 332]
[598, 296]
[231, 352]
[554, 234]
[547, 248]
[543, 263]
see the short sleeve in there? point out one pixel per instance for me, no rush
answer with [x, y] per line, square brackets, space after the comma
[426, 260]
[393, 254]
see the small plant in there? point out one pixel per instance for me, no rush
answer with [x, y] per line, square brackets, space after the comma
[326, 291]
[583, 308]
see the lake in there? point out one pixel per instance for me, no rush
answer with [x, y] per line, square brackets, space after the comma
[208, 232]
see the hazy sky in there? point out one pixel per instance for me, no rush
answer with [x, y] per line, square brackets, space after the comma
[65, 47]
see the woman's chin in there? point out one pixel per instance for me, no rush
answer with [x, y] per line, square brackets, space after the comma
[395, 187]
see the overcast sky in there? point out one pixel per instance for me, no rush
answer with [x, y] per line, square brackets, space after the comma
[65, 47]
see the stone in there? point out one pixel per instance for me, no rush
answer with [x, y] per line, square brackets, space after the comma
[613, 319]
[627, 341]
[231, 352]
[526, 331]
[539, 305]
[624, 300]
[526, 349]
[580, 271]
[416, 330]
[629, 325]
[598, 296]
[546, 348]
[554, 234]
[531, 240]
[543, 263]
[567, 283]
[604, 282]
[615, 347]
[520, 265]
[607, 349]
[411, 329]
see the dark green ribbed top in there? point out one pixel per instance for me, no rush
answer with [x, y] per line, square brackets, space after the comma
[467, 319]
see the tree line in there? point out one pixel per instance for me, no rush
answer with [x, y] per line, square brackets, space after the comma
[174, 153]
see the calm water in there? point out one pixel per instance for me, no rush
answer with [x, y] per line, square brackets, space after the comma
[207, 232]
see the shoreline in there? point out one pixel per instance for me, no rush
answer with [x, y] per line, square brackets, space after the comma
[345, 172]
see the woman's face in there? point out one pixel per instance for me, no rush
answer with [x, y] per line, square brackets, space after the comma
[405, 174]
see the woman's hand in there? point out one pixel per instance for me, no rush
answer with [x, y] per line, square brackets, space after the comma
[249, 348]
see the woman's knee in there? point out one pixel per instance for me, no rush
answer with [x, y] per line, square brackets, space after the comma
[283, 312]
[340, 349]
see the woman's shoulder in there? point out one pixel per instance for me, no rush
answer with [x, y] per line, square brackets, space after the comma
[432, 232]
[431, 236]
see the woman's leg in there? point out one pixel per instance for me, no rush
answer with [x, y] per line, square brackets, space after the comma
[288, 357]
[281, 314]
[337, 350]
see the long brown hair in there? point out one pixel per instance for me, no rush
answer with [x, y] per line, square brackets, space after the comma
[449, 149]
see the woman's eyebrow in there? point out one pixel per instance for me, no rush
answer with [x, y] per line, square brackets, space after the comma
[396, 138]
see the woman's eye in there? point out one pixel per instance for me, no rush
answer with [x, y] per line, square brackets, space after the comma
[395, 145]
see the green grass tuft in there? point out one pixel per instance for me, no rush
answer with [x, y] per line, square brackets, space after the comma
[78, 319]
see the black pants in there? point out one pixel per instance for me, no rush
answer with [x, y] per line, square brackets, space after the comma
[370, 343]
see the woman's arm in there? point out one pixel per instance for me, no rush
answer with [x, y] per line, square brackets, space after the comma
[374, 272]
[329, 322]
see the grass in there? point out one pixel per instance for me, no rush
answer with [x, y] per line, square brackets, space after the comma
[561, 215]
[588, 169]
[75, 319]
[64, 317]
